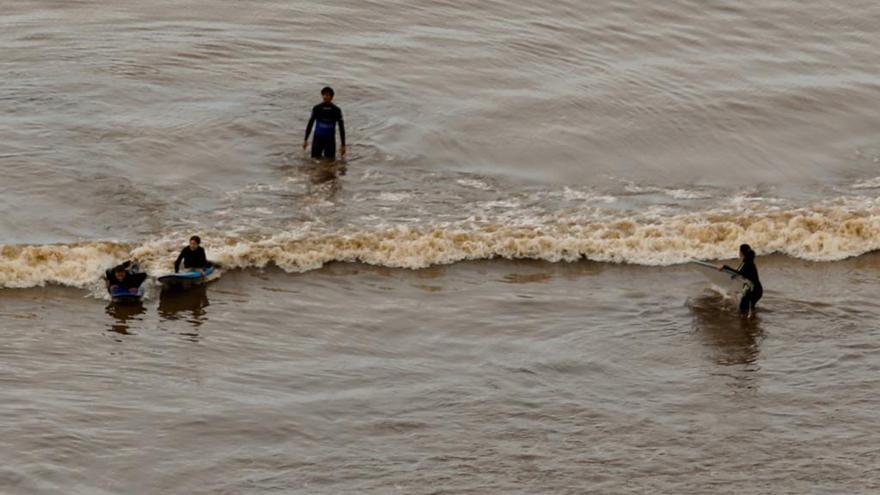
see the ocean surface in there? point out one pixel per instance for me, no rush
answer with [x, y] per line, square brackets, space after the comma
[489, 295]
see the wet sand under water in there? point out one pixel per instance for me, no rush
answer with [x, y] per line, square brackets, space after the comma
[480, 377]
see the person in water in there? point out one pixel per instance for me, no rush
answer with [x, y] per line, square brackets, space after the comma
[747, 269]
[120, 277]
[193, 256]
[325, 116]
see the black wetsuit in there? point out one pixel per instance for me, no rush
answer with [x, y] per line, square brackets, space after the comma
[192, 258]
[752, 294]
[324, 118]
[130, 281]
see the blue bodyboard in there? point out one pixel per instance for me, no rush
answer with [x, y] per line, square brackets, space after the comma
[188, 278]
[122, 295]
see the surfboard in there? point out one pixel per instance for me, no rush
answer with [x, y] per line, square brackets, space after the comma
[187, 279]
[119, 295]
[727, 280]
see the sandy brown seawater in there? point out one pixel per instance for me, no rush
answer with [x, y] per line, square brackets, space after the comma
[489, 377]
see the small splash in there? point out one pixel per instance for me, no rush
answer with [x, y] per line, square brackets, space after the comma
[474, 184]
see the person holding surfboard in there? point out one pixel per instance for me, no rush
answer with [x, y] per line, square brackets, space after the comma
[325, 116]
[193, 256]
[747, 269]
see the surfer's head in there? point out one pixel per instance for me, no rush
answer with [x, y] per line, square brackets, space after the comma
[119, 273]
[746, 252]
[194, 242]
[327, 94]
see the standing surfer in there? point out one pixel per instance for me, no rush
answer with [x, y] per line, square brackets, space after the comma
[747, 269]
[325, 116]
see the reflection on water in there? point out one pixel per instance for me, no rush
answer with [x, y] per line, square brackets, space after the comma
[731, 338]
[122, 314]
[527, 278]
[188, 305]
[324, 177]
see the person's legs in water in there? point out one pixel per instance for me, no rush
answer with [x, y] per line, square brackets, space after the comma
[749, 299]
[323, 148]
[744, 301]
[756, 296]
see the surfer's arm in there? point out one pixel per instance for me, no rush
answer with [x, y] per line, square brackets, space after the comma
[177, 261]
[746, 271]
[309, 129]
[202, 261]
[748, 275]
[341, 128]
[342, 137]
[734, 270]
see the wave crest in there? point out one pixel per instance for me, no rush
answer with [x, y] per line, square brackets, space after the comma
[817, 234]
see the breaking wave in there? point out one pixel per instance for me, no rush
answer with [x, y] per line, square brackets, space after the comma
[829, 232]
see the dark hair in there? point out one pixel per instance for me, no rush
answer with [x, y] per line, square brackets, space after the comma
[327, 90]
[119, 269]
[747, 252]
[196, 238]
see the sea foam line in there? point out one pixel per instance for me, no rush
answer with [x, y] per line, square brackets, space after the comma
[825, 233]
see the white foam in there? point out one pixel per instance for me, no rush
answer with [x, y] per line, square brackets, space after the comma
[867, 184]
[474, 184]
[637, 189]
[570, 194]
[824, 232]
[686, 194]
[506, 203]
[394, 197]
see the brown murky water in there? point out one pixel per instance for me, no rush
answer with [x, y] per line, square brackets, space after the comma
[485, 377]
[488, 296]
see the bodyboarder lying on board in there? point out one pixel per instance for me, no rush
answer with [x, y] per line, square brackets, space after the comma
[123, 277]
